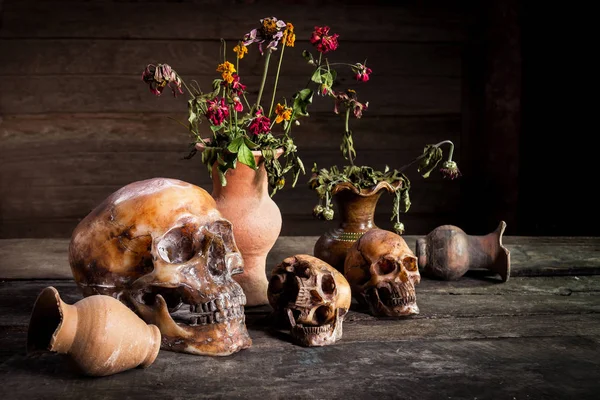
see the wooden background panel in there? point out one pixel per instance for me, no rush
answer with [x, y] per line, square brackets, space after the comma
[77, 123]
[189, 57]
[107, 93]
[406, 21]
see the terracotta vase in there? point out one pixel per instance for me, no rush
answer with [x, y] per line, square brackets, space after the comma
[447, 253]
[99, 333]
[256, 219]
[356, 208]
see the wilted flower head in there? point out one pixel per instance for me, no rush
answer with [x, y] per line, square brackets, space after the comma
[348, 100]
[323, 41]
[236, 85]
[270, 31]
[217, 111]
[450, 170]
[283, 113]
[159, 76]
[237, 104]
[260, 124]
[227, 69]
[289, 35]
[361, 72]
[240, 50]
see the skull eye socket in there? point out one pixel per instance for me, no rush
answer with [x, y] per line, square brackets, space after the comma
[178, 245]
[303, 271]
[328, 284]
[276, 284]
[324, 314]
[385, 266]
[410, 263]
[216, 257]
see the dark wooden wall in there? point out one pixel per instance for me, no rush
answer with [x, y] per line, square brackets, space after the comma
[77, 123]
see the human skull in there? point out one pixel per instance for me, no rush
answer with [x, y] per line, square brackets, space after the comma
[162, 248]
[382, 272]
[313, 296]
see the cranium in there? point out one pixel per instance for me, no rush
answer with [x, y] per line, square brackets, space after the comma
[382, 272]
[313, 296]
[161, 247]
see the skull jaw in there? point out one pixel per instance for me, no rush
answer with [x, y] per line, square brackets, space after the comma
[315, 336]
[399, 307]
[204, 342]
[216, 339]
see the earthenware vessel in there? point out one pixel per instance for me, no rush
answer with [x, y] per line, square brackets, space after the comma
[99, 333]
[356, 208]
[447, 253]
[256, 219]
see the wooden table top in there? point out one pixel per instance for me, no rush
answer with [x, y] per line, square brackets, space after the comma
[535, 337]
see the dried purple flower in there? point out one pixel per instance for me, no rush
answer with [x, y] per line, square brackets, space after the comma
[270, 31]
[450, 170]
[159, 76]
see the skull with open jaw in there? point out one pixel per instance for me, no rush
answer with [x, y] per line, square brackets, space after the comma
[382, 272]
[161, 247]
[313, 296]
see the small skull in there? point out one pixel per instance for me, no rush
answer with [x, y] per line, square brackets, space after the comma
[161, 247]
[382, 272]
[313, 296]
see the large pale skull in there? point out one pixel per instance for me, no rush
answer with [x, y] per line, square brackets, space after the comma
[161, 247]
[382, 272]
[313, 296]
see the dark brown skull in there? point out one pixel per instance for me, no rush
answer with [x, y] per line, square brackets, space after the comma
[161, 247]
[313, 296]
[382, 272]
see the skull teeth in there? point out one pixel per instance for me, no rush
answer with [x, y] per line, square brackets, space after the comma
[313, 329]
[397, 295]
[215, 311]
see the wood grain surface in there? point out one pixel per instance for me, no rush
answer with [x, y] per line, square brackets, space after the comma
[530, 256]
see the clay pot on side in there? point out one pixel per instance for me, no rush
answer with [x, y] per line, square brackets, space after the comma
[356, 209]
[447, 253]
[256, 219]
[99, 333]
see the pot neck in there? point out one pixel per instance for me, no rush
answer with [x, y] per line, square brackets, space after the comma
[64, 336]
[242, 179]
[357, 212]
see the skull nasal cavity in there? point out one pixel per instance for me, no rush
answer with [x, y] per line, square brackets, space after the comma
[324, 314]
[177, 246]
[385, 267]
[328, 284]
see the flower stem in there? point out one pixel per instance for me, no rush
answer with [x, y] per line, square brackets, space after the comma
[316, 69]
[277, 78]
[450, 153]
[347, 133]
[186, 86]
[264, 79]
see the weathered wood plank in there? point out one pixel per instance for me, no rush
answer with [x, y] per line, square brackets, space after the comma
[159, 132]
[294, 224]
[47, 258]
[190, 57]
[184, 20]
[435, 300]
[61, 166]
[507, 368]
[105, 93]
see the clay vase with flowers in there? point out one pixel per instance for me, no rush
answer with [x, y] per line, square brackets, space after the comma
[250, 150]
[357, 189]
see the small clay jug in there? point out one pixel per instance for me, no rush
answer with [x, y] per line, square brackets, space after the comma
[256, 220]
[99, 333]
[447, 253]
[356, 209]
